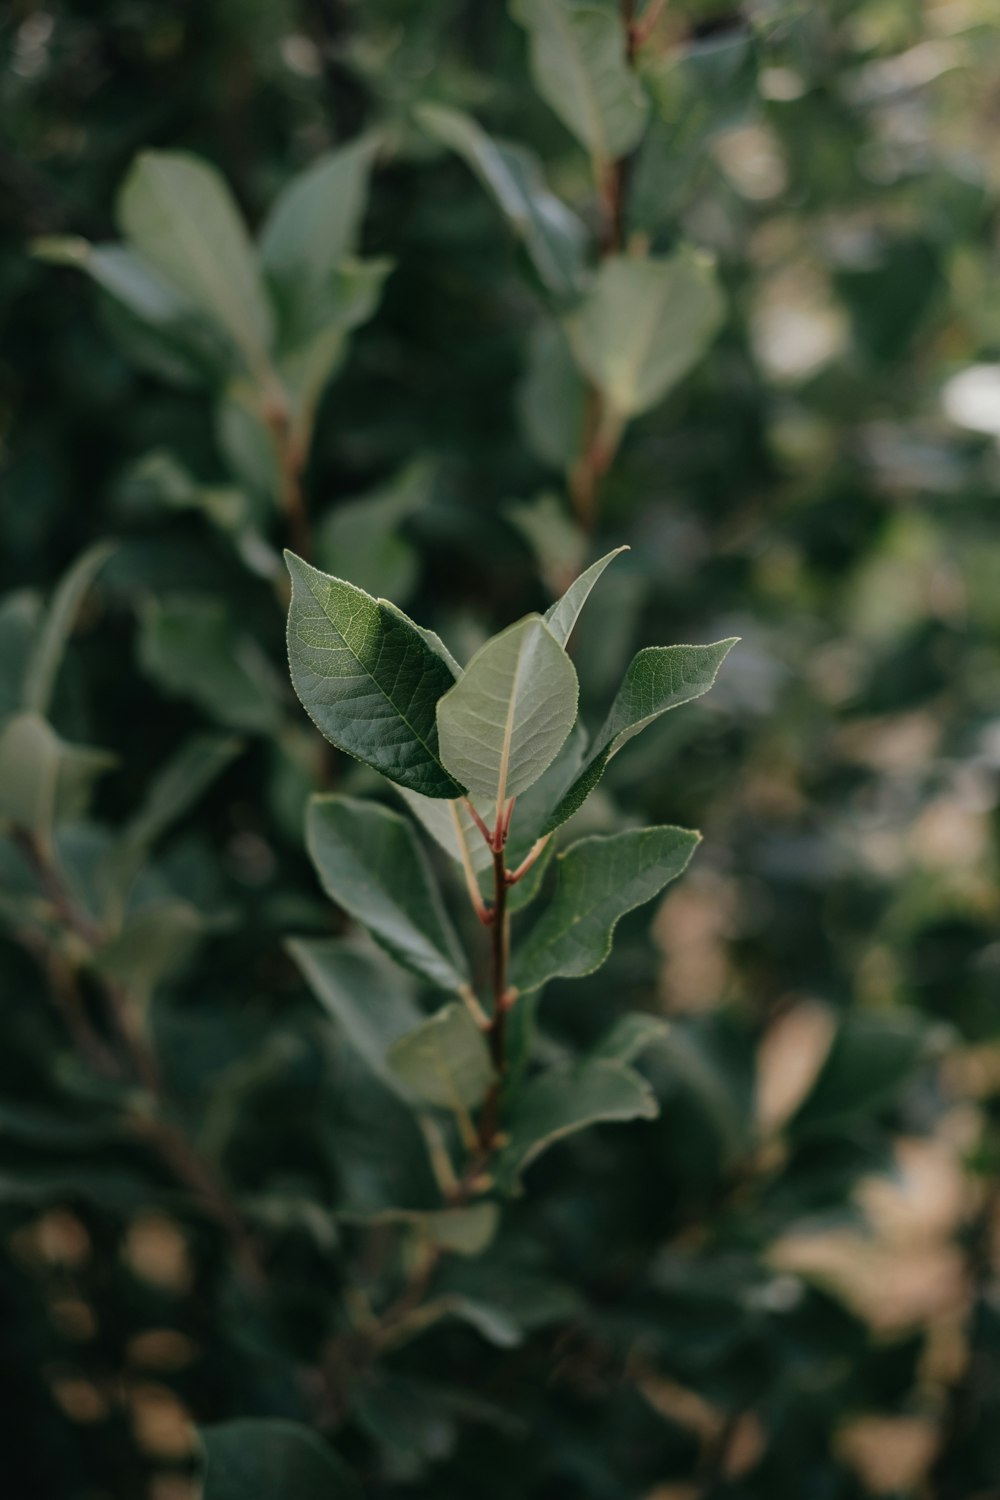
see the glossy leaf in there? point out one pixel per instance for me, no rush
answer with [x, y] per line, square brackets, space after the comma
[178, 213]
[600, 879]
[659, 678]
[445, 1061]
[561, 1101]
[369, 862]
[553, 236]
[579, 67]
[506, 718]
[643, 325]
[368, 679]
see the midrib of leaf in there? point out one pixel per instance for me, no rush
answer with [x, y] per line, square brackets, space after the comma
[364, 667]
[222, 287]
[647, 337]
[508, 733]
[599, 151]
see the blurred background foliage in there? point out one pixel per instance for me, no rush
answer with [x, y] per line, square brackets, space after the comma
[785, 1286]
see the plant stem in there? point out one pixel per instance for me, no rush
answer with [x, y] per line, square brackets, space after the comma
[174, 1147]
[291, 462]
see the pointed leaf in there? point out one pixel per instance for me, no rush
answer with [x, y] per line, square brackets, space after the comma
[642, 326]
[50, 643]
[261, 1458]
[600, 879]
[44, 780]
[553, 236]
[658, 678]
[369, 862]
[564, 1100]
[631, 1035]
[161, 329]
[312, 227]
[178, 213]
[563, 615]
[368, 679]
[365, 1000]
[463, 1231]
[579, 66]
[508, 715]
[445, 1060]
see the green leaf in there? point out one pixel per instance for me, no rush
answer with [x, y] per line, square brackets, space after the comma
[365, 534]
[178, 213]
[643, 325]
[175, 788]
[313, 225]
[262, 1458]
[193, 648]
[658, 678]
[452, 826]
[561, 1101]
[50, 643]
[445, 1060]
[368, 679]
[600, 879]
[369, 862]
[21, 616]
[630, 1036]
[44, 780]
[563, 615]
[363, 998]
[551, 398]
[553, 236]
[463, 1231]
[154, 942]
[159, 328]
[870, 1060]
[508, 715]
[579, 66]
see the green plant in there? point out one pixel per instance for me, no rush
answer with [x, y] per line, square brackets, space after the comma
[491, 760]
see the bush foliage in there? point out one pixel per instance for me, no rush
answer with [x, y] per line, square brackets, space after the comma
[540, 336]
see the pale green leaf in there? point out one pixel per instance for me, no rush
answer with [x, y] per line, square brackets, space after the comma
[563, 615]
[160, 328]
[630, 1035]
[178, 213]
[363, 997]
[445, 1061]
[154, 942]
[452, 826]
[643, 325]
[175, 788]
[600, 879]
[561, 1101]
[47, 651]
[368, 679]
[364, 535]
[44, 780]
[269, 1458]
[369, 862]
[658, 678]
[553, 236]
[506, 718]
[193, 648]
[551, 398]
[580, 68]
[463, 1231]
[313, 225]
